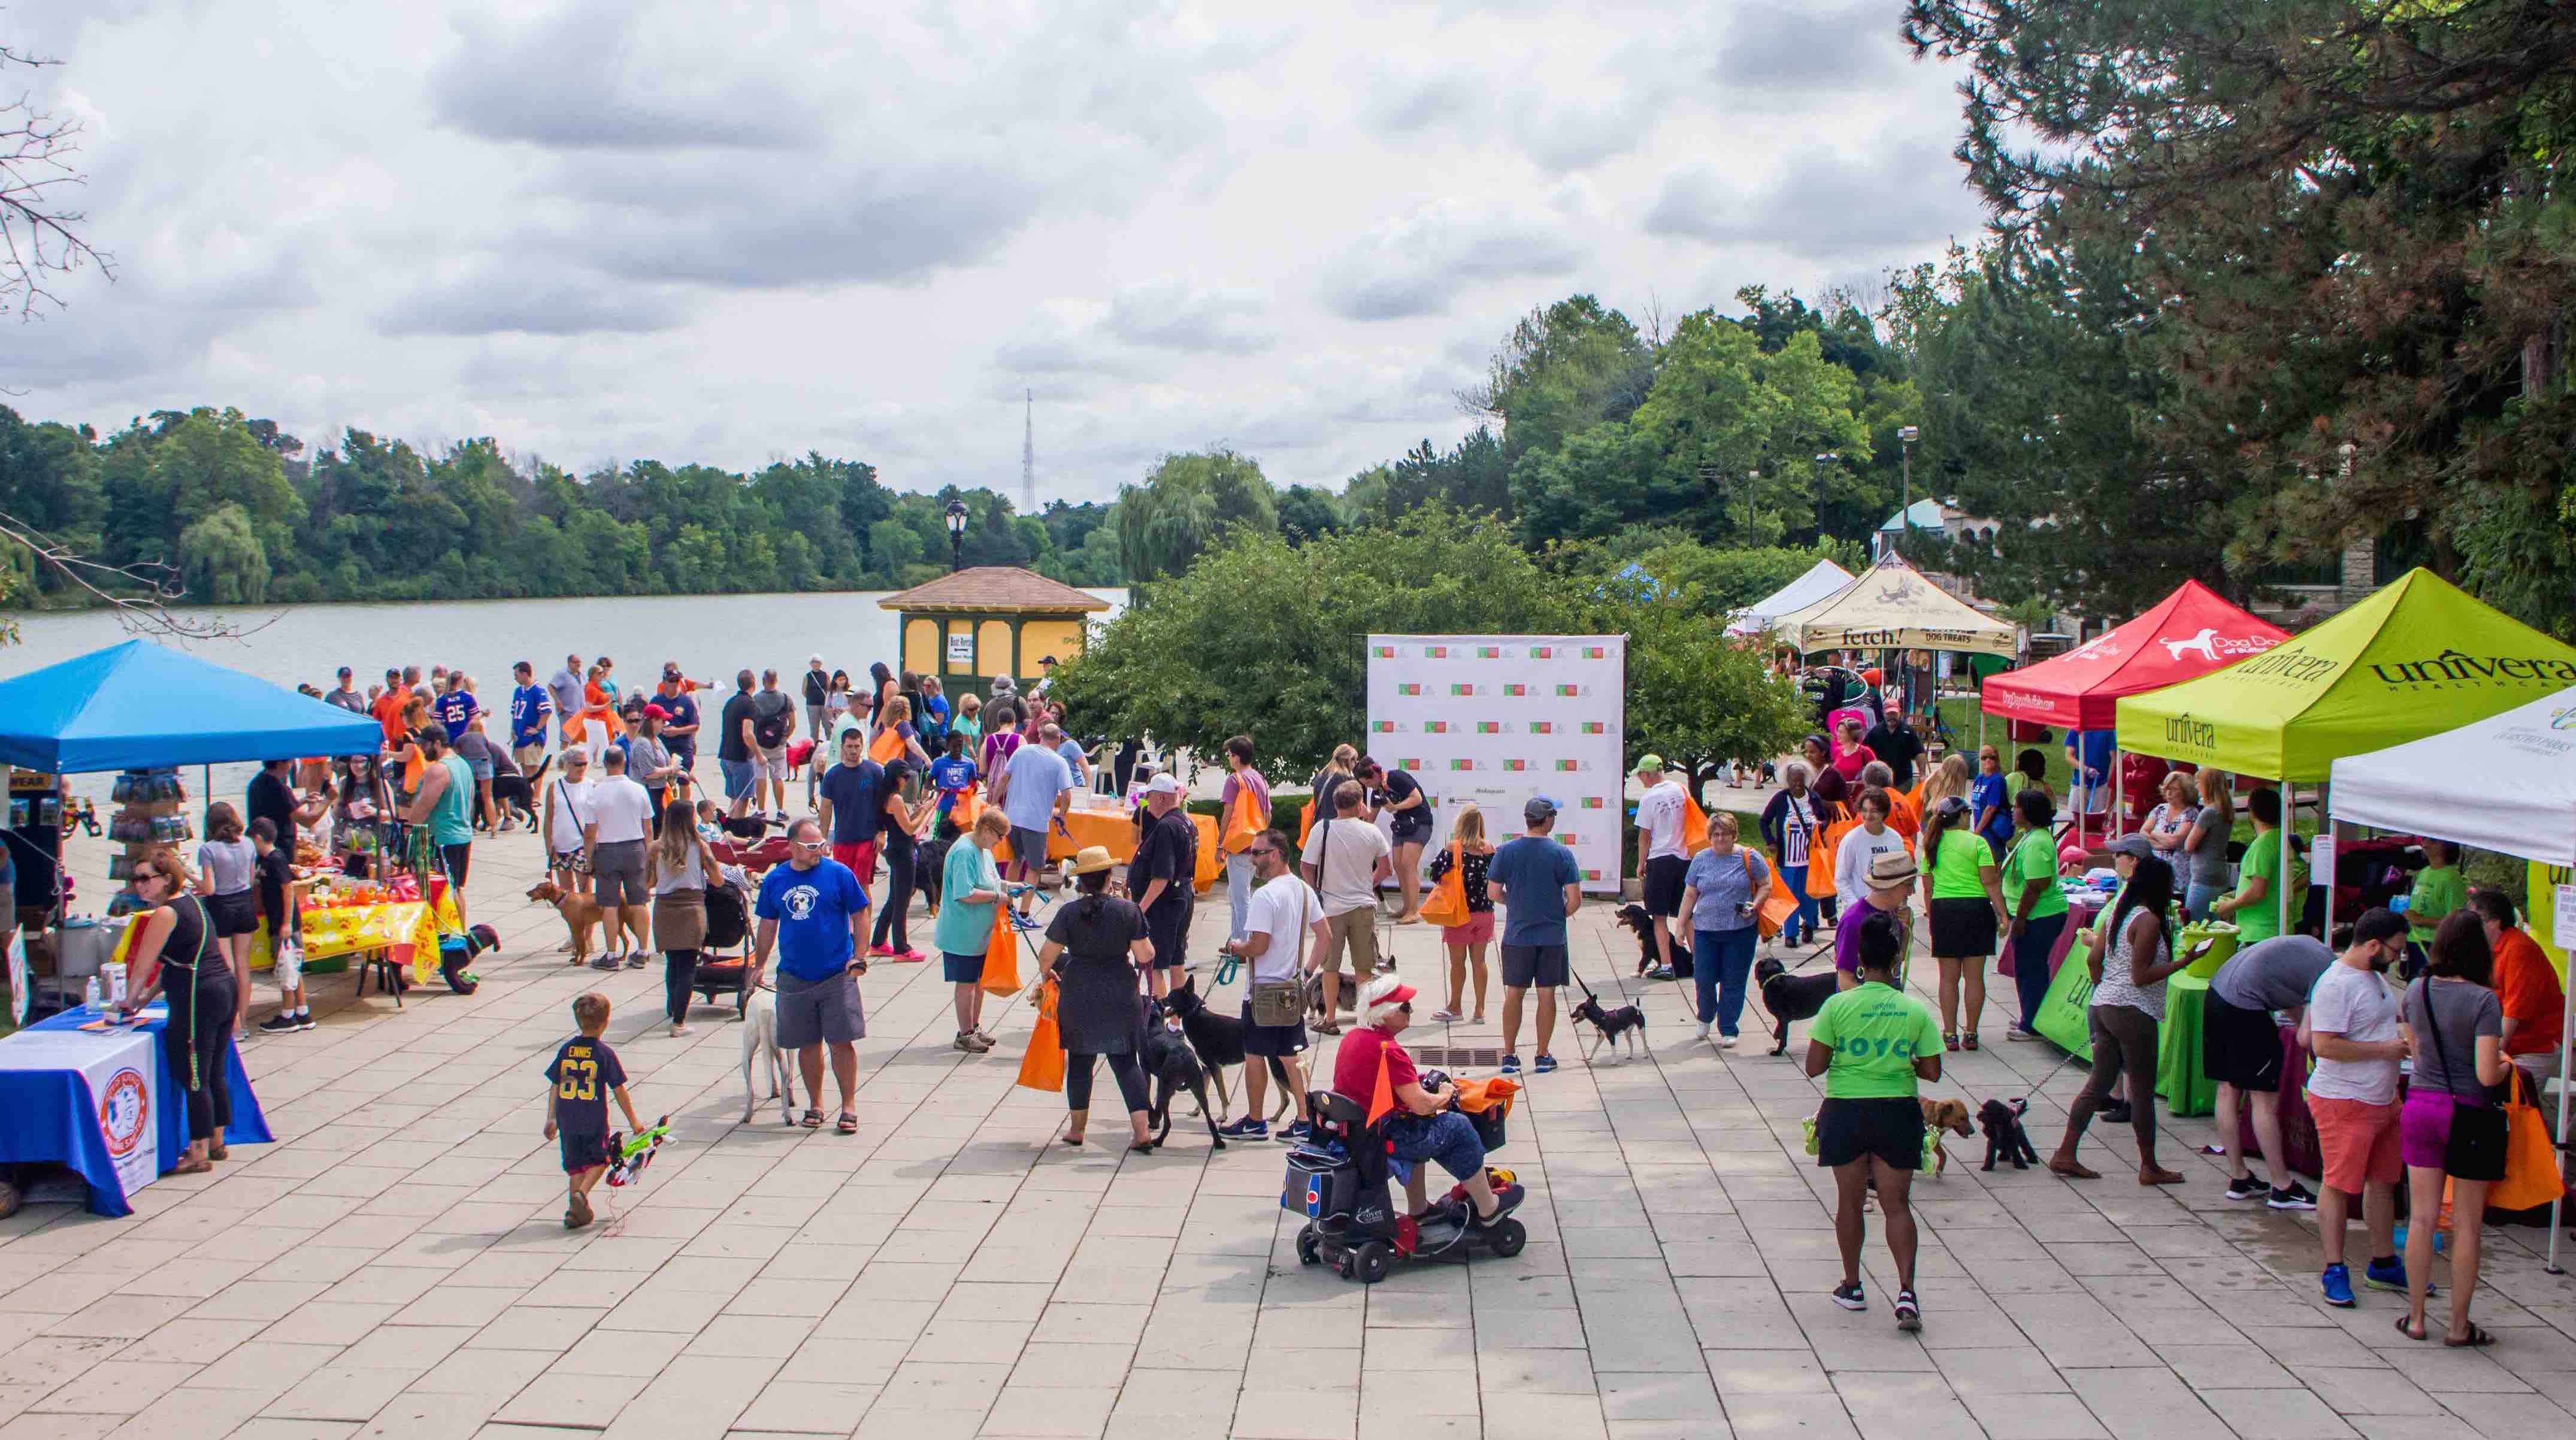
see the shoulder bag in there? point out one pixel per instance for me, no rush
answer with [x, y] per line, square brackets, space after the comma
[1279, 1003]
[2476, 1149]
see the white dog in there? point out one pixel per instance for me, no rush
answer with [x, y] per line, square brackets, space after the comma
[760, 1050]
[2206, 642]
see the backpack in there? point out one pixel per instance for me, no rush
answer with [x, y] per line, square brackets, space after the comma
[769, 723]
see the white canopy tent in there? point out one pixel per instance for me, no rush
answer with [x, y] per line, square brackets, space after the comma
[1826, 578]
[2506, 783]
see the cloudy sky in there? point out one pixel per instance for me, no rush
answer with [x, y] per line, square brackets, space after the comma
[606, 231]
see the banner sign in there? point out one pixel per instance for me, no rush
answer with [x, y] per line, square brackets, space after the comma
[1496, 719]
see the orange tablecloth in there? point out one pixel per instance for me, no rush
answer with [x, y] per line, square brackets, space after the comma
[1115, 832]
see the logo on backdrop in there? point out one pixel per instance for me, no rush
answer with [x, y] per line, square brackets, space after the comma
[2187, 731]
[2454, 670]
[124, 1111]
[2215, 648]
[2291, 665]
[2563, 719]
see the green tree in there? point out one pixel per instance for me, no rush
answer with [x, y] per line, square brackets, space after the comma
[1565, 368]
[1184, 505]
[1307, 512]
[1694, 696]
[221, 559]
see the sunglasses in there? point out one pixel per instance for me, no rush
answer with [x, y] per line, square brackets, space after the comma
[1406, 1007]
[809, 844]
[1264, 850]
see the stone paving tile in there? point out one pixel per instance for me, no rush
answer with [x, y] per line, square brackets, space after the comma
[395, 1267]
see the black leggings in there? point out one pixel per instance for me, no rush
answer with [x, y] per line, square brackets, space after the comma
[1122, 1068]
[198, 1040]
[2124, 1042]
[679, 971]
[897, 911]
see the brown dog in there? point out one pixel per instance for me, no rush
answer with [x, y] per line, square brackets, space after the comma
[580, 914]
[1945, 1115]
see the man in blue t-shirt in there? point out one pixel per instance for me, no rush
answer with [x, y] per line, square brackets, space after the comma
[677, 698]
[1536, 881]
[2088, 754]
[530, 704]
[814, 912]
[852, 806]
[456, 708]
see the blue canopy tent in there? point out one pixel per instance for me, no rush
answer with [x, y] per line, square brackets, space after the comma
[138, 705]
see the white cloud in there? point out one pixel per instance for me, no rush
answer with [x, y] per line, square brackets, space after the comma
[616, 228]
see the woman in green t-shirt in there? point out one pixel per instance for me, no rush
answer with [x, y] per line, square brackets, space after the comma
[2438, 891]
[1874, 1045]
[1963, 893]
[2034, 906]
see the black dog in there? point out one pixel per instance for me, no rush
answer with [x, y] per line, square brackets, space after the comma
[1171, 1067]
[2005, 1137]
[929, 865]
[1790, 997]
[1609, 1025]
[515, 796]
[1218, 1040]
[1633, 917]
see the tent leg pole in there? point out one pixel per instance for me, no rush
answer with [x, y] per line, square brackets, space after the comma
[2289, 793]
[2119, 801]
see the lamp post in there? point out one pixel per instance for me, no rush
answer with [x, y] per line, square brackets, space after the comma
[1905, 438]
[956, 513]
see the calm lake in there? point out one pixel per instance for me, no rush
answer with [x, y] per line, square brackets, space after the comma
[711, 636]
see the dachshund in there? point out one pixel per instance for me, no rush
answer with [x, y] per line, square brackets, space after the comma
[1939, 1115]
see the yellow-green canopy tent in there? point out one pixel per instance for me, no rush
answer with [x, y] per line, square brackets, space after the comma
[2417, 658]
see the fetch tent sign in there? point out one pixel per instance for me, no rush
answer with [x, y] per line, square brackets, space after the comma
[1495, 719]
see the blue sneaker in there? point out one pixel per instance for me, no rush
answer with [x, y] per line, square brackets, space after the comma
[1546, 1063]
[1251, 1127]
[1298, 1133]
[2337, 1282]
[1511, 1064]
[2389, 1274]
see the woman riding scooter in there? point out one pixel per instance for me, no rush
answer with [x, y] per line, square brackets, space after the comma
[1426, 1125]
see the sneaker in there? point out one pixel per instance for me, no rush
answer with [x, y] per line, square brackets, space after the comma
[2246, 1187]
[2113, 1114]
[278, 1025]
[1725, 1042]
[2295, 1196]
[1507, 1198]
[604, 962]
[2337, 1284]
[980, 1033]
[1703, 1030]
[1511, 1065]
[1546, 1064]
[1298, 1133]
[1909, 1315]
[1250, 1127]
[2388, 1274]
[909, 957]
[304, 1020]
[636, 959]
[1660, 972]
[967, 1042]
[880, 951]
[1850, 1296]
[2015, 1032]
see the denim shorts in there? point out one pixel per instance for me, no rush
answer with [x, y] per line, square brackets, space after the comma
[1447, 1139]
[739, 776]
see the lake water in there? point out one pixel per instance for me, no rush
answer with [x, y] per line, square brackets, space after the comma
[712, 636]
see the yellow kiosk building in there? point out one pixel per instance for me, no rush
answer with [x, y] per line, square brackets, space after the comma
[972, 625]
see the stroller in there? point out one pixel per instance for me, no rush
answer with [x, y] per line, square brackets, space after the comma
[728, 922]
[1340, 1182]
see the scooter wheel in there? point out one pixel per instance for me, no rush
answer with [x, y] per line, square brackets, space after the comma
[1507, 1237]
[1374, 1261]
[1307, 1253]
[1349, 1268]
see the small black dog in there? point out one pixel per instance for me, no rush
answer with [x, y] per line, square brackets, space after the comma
[515, 796]
[1609, 1025]
[929, 864]
[2005, 1137]
[1218, 1039]
[1171, 1067]
[1790, 997]
[1634, 919]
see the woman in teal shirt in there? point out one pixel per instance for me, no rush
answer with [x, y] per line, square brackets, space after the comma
[1964, 896]
[969, 889]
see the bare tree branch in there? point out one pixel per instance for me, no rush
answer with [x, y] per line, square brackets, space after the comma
[144, 613]
[39, 234]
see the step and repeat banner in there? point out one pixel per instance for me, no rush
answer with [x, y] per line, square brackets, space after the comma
[1495, 719]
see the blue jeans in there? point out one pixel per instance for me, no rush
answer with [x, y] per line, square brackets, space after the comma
[1721, 960]
[1802, 926]
[2197, 898]
[1448, 1139]
[2030, 963]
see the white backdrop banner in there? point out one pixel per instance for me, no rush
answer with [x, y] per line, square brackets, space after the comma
[1495, 719]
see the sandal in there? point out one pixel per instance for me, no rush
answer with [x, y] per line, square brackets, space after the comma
[813, 1120]
[2476, 1338]
[848, 1123]
[1968, 1040]
[1949, 1040]
[2408, 1328]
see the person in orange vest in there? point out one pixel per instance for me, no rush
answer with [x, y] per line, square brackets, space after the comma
[1243, 808]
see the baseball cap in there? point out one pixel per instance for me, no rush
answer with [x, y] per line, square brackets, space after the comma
[1396, 992]
[2133, 846]
[1539, 808]
[1163, 785]
[1048, 660]
[346, 672]
[656, 712]
[813, 659]
[1650, 762]
[670, 669]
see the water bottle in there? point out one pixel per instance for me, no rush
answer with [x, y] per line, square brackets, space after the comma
[93, 997]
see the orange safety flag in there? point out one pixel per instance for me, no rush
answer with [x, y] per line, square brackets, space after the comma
[1243, 820]
[887, 745]
[1381, 1095]
[1043, 1067]
[1448, 903]
[1694, 826]
[1002, 954]
[1305, 823]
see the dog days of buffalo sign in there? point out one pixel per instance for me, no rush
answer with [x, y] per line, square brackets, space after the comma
[1496, 719]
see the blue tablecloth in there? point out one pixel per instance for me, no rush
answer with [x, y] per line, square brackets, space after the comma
[49, 1115]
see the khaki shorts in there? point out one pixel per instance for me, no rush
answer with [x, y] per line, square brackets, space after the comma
[1356, 930]
[773, 764]
[529, 757]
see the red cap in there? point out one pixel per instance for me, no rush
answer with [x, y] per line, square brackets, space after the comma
[656, 712]
[1397, 996]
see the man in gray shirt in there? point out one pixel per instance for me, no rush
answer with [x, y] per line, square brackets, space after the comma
[2240, 1048]
[565, 686]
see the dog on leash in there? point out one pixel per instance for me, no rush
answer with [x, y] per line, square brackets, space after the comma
[1171, 1067]
[1218, 1041]
[1788, 997]
[760, 1052]
[2005, 1137]
[581, 914]
[1938, 1115]
[1632, 917]
[1609, 1025]
[515, 796]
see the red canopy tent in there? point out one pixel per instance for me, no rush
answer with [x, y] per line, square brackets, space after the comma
[2189, 633]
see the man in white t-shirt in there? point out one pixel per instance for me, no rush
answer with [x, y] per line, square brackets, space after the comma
[1282, 913]
[616, 824]
[1663, 857]
[1861, 847]
[2353, 1030]
[1345, 860]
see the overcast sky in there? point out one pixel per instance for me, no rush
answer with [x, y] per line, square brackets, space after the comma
[619, 229]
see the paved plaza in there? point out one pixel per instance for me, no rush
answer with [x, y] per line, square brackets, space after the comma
[396, 1265]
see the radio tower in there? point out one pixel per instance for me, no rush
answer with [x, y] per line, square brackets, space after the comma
[1029, 456]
